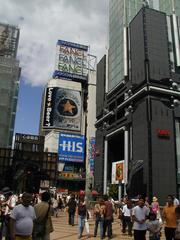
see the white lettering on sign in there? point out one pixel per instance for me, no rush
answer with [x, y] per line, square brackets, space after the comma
[48, 107]
[72, 146]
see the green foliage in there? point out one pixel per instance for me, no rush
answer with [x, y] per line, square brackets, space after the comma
[113, 191]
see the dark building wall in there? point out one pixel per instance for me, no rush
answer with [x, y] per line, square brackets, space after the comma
[149, 47]
[100, 86]
[163, 151]
[99, 161]
[137, 49]
[140, 148]
[156, 44]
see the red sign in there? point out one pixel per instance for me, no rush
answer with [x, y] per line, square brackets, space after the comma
[163, 133]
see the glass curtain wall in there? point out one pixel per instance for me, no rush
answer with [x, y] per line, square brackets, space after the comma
[121, 12]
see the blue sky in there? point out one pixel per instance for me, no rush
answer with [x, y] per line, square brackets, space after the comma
[28, 109]
[41, 24]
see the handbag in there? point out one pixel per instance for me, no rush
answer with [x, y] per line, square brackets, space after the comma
[40, 227]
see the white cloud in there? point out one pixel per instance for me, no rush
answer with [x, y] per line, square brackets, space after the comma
[43, 22]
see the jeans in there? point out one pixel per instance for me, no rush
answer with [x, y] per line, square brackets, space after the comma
[81, 223]
[169, 233]
[99, 221]
[139, 234]
[71, 218]
[108, 227]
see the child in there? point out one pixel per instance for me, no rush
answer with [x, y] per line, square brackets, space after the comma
[154, 227]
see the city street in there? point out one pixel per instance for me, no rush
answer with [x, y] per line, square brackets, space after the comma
[63, 231]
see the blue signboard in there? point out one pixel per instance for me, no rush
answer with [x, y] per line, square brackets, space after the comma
[71, 147]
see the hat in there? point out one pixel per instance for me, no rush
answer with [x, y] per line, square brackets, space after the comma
[6, 190]
[154, 199]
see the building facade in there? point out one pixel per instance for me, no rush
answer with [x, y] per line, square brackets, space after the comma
[68, 116]
[138, 113]
[9, 82]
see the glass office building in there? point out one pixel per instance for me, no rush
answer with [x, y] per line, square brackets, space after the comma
[121, 12]
[9, 82]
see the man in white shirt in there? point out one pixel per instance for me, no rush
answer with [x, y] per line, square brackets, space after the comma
[139, 215]
[127, 217]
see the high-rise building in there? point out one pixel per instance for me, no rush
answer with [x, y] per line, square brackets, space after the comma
[138, 114]
[121, 12]
[9, 82]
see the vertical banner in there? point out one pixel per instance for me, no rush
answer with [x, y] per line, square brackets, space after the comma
[117, 172]
[92, 152]
[62, 109]
[120, 171]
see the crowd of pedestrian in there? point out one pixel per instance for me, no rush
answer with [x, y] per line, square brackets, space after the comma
[29, 216]
[25, 216]
[140, 215]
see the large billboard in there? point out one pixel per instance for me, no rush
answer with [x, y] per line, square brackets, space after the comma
[9, 36]
[62, 109]
[71, 147]
[71, 61]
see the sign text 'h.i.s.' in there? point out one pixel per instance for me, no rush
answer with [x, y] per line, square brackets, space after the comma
[71, 147]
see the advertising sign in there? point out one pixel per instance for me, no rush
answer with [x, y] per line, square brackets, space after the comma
[62, 109]
[118, 172]
[92, 152]
[71, 62]
[71, 147]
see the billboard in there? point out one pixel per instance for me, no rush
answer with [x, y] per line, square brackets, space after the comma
[71, 147]
[71, 61]
[8, 40]
[62, 109]
[118, 172]
[92, 153]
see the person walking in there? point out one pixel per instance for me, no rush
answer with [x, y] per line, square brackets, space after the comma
[154, 227]
[82, 212]
[9, 204]
[99, 211]
[169, 216]
[55, 205]
[22, 218]
[43, 223]
[139, 215]
[177, 231]
[155, 205]
[127, 217]
[71, 209]
[108, 217]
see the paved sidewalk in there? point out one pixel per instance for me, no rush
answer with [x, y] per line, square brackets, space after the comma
[65, 232]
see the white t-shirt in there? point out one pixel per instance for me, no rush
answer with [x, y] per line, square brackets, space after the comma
[127, 212]
[176, 202]
[140, 214]
[24, 217]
